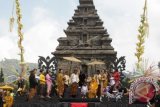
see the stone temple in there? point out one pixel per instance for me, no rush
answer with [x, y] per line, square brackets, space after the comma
[86, 39]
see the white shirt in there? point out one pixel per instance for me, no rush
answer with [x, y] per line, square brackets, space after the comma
[112, 81]
[74, 78]
[84, 89]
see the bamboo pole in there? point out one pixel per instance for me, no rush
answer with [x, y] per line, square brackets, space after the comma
[20, 34]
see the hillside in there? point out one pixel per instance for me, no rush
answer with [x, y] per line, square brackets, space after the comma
[11, 67]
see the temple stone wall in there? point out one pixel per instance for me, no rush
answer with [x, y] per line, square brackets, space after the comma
[86, 39]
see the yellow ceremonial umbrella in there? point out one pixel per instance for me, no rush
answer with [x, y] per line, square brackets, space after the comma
[6, 87]
[96, 62]
[72, 59]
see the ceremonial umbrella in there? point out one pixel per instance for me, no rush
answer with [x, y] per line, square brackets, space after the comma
[72, 59]
[96, 62]
[6, 87]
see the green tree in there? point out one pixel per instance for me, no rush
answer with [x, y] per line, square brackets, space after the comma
[1, 76]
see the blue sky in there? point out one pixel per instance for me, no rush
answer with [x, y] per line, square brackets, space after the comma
[45, 20]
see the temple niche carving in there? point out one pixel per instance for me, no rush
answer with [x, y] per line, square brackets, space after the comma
[86, 39]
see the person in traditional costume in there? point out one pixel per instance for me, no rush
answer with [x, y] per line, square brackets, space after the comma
[82, 78]
[74, 83]
[97, 78]
[116, 76]
[88, 80]
[8, 100]
[93, 88]
[66, 79]
[21, 86]
[112, 80]
[49, 83]
[106, 82]
[103, 81]
[60, 83]
[33, 84]
[42, 83]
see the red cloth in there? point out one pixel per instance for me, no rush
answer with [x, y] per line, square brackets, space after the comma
[116, 76]
[79, 104]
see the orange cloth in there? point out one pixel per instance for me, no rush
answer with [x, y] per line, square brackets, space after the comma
[9, 101]
[60, 84]
[32, 93]
[93, 89]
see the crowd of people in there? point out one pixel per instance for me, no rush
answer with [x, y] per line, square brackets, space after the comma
[90, 86]
[42, 84]
[76, 84]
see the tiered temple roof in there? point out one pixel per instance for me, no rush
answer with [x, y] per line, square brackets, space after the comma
[86, 38]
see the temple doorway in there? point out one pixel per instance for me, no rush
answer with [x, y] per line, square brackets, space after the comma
[84, 69]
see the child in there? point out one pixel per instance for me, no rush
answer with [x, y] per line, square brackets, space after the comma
[84, 90]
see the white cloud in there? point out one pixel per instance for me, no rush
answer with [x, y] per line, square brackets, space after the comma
[122, 19]
[8, 43]
[41, 38]
[8, 48]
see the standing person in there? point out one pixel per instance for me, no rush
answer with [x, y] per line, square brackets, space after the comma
[116, 76]
[49, 83]
[104, 81]
[33, 84]
[82, 78]
[88, 80]
[60, 83]
[66, 79]
[84, 90]
[112, 80]
[21, 86]
[93, 88]
[97, 78]
[74, 83]
[111, 83]
[42, 82]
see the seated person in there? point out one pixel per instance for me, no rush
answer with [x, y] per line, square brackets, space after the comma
[84, 90]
